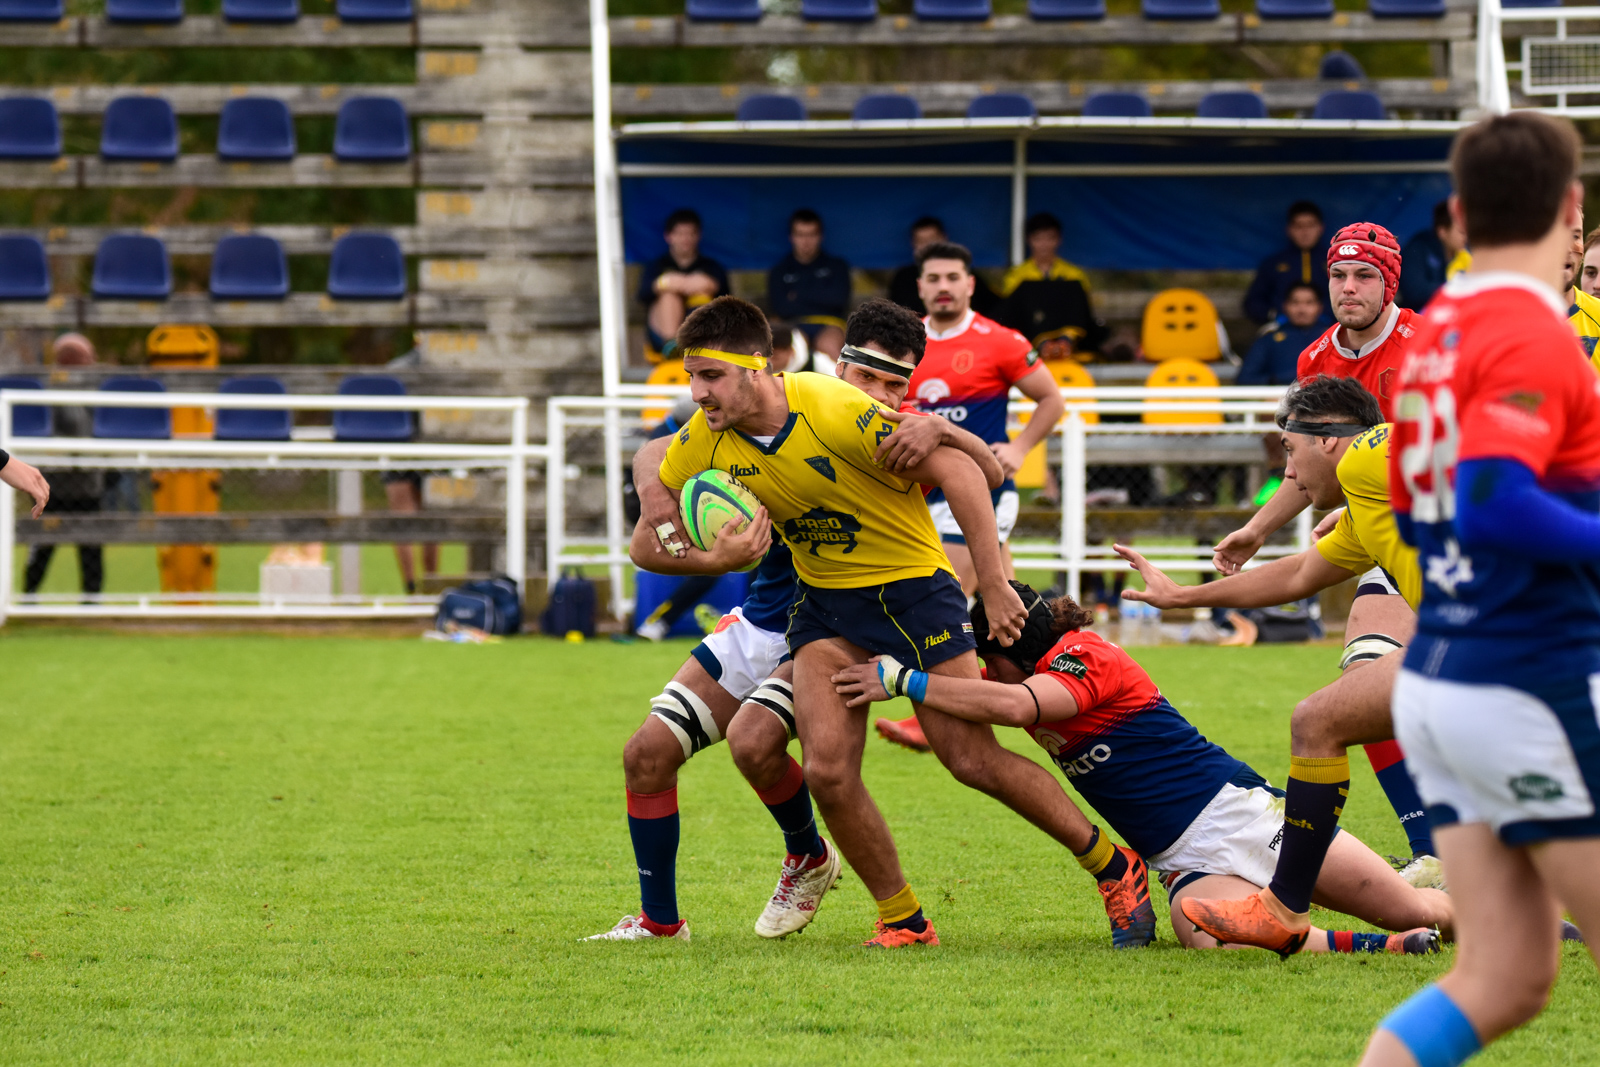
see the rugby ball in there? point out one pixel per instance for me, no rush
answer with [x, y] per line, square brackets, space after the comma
[712, 500]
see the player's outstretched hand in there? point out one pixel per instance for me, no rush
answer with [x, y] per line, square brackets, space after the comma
[1235, 550]
[1325, 527]
[1003, 608]
[732, 551]
[1159, 590]
[860, 682]
[913, 441]
[26, 477]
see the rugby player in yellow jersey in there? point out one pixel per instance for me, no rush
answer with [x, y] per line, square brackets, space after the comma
[1338, 449]
[1583, 310]
[873, 579]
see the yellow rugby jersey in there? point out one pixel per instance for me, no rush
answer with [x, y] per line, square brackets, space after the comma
[1584, 314]
[849, 523]
[1366, 532]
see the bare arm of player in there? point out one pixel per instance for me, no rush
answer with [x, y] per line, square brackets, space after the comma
[729, 552]
[658, 505]
[968, 698]
[916, 436]
[968, 497]
[1235, 550]
[26, 477]
[1279, 582]
[1040, 387]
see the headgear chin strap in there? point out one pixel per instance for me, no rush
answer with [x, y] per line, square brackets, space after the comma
[1325, 429]
[738, 359]
[876, 361]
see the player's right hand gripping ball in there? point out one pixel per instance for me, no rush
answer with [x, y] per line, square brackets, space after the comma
[710, 501]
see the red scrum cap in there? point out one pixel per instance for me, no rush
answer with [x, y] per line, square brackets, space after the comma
[1371, 244]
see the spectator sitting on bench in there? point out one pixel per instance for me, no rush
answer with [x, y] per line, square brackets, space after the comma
[1302, 262]
[810, 288]
[77, 491]
[1427, 256]
[1047, 298]
[677, 282]
[903, 286]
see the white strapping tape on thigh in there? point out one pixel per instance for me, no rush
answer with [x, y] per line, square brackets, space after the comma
[777, 696]
[1367, 647]
[687, 716]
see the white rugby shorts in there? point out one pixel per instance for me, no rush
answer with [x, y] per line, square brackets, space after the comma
[1238, 833]
[1007, 503]
[739, 655]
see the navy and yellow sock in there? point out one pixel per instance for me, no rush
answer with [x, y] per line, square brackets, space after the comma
[1102, 859]
[653, 825]
[1388, 763]
[1314, 800]
[790, 804]
[902, 911]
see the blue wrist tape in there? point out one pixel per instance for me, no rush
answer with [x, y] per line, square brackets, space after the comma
[1433, 1029]
[917, 686]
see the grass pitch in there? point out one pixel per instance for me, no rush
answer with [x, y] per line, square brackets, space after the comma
[266, 850]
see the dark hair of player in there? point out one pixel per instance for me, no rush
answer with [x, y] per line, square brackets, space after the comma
[1441, 215]
[945, 250]
[729, 325]
[1302, 207]
[682, 216]
[1329, 399]
[1512, 173]
[1592, 240]
[807, 217]
[1040, 221]
[1047, 621]
[882, 322]
[1297, 286]
[928, 222]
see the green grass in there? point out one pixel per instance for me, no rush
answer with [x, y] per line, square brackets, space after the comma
[272, 850]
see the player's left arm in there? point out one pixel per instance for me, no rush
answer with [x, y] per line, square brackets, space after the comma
[1023, 704]
[1039, 385]
[1499, 505]
[916, 436]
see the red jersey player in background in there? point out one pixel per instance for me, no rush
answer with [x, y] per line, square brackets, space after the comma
[1494, 475]
[966, 375]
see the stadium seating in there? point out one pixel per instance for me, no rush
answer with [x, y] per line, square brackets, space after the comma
[375, 10]
[1002, 106]
[372, 129]
[157, 11]
[953, 10]
[1232, 105]
[1116, 105]
[31, 10]
[1349, 104]
[132, 266]
[1070, 374]
[766, 107]
[24, 270]
[1180, 374]
[253, 424]
[144, 424]
[1294, 9]
[1407, 9]
[1341, 66]
[29, 129]
[886, 106]
[1062, 10]
[1180, 324]
[367, 266]
[1182, 9]
[249, 266]
[723, 10]
[839, 10]
[261, 10]
[373, 425]
[29, 420]
[139, 129]
[256, 129]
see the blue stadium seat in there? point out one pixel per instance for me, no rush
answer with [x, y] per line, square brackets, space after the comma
[144, 424]
[367, 266]
[29, 420]
[1075, 10]
[1116, 106]
[839, 10]
[253, 424]
[132, 266]
[375, 10]
[1182, 9]
[1240, 105]
[29, 129]
[256, 128]
[723, 10]
[372, 129]
[1001, 106]
[373, 425]
[249, 266]
[1406, 9]
[953, 10]
[24, 270]
[1349, 104]
[1341, 66]
[261, 10]
[766, 107]
[144, 10]
[139, 128]
[1295, 9]
[886, 106]
[32, 11]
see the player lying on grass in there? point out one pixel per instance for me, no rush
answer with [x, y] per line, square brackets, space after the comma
[737, 683]
[1199, 816]
[1338, 454]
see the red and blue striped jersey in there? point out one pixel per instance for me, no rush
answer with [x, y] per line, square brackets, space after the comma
[966, 375]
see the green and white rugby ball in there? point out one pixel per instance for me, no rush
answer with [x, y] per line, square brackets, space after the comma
[712, 500]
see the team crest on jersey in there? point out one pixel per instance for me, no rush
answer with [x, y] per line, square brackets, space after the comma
[962, 361]
[821, 465]
[1385, 379]
[1067, 663]
[819, 529]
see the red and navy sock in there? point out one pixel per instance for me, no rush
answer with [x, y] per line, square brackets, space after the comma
[790, 803]
[1388, 762]
[653, 825]
[1350, 941]
[1313, 801]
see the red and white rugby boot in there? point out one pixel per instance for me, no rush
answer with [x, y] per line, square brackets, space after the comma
[638, 928]
[801, 885]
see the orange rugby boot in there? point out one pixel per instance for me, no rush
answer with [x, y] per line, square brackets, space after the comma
[1127, 901]
[899, 937]
[1244, 922]
[907, 732]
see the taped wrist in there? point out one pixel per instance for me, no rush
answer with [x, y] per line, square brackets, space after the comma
[898, 680]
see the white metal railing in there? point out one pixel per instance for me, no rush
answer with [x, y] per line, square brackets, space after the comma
[307, 450]
[1555, 65]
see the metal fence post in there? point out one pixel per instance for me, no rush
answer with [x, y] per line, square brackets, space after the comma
[555, 492]
[1074, 489]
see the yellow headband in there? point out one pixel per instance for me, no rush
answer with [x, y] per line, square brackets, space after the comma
[736, 358]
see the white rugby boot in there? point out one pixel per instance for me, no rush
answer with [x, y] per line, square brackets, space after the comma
[800, 889]
[632, 928]
[1424, 872]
